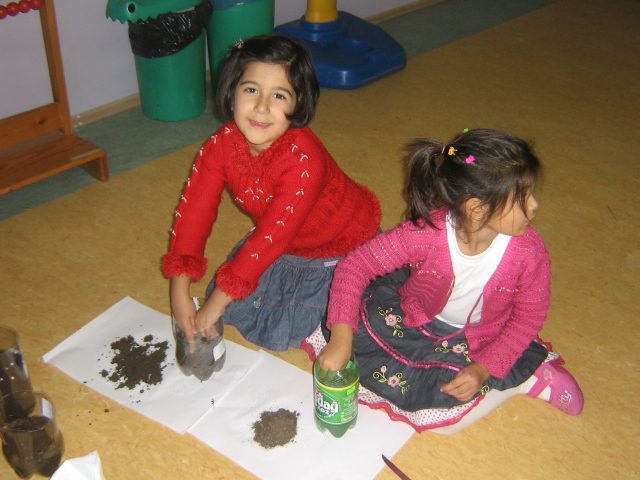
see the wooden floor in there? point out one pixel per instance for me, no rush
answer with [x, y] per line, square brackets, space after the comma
[565, 76]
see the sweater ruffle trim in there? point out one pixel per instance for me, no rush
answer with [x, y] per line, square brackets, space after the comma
[232, 285]
[174, 265]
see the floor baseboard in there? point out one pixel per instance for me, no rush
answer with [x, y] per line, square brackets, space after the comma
[106, 110]
[401, 10]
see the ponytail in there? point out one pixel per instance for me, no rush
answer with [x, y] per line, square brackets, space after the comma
[495, 167]
[423, 162]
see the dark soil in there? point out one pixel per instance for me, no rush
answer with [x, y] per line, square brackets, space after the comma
[200, 361]
[33, 445]
[28, 424]
[275, 429]
[137, 364]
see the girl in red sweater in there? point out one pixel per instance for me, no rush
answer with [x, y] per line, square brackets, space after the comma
[448, 327]
[274, 286]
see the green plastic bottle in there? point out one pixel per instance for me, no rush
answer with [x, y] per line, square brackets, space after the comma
[336, 397]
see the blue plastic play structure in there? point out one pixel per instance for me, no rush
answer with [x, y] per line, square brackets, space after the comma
[348, 52]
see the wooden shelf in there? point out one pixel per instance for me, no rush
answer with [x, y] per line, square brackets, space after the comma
[40, 143]
[46, 155]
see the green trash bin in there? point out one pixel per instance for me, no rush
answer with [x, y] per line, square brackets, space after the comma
[234, 19]
[170, 54]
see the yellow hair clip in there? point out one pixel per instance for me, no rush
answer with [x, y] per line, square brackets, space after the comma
[452, 151]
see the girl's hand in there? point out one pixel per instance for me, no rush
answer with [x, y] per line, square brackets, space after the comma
[183, 308]
[210, 313]
[467, 383]
[336, 355]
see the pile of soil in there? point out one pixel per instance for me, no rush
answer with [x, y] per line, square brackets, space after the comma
[275, 429]
[137, 364]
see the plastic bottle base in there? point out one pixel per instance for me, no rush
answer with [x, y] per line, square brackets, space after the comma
[337, 431]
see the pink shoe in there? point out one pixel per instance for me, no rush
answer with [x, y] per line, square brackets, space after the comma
[565, 392]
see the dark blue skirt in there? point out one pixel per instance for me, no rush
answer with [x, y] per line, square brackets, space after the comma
[290, 302]
[408, 365]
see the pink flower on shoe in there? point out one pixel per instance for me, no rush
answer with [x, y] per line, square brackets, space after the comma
[547, 374]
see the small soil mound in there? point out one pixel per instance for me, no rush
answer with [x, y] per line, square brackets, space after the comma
[275, 429]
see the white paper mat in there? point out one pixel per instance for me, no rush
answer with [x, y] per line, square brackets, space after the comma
[88, 351]
[249, 384]
[273, 384]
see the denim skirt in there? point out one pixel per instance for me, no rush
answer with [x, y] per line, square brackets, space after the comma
[288, 305]
[406, 365]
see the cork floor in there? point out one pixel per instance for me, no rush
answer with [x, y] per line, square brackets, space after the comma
[565, 76]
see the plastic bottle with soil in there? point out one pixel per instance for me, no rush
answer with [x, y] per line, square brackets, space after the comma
[13, 367]
[336, 397]
[207, 355]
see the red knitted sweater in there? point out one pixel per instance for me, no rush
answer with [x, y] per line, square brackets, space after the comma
[301, 201]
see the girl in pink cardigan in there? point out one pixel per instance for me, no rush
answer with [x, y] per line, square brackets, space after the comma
[454, 298]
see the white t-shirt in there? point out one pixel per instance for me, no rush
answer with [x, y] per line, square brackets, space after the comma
[471, 275]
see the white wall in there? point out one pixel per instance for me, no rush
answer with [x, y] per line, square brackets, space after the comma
[96, 54]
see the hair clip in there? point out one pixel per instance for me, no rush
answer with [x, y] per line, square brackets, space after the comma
[470, 159]
[452, 151]
[465, 130]
[444, 147]
[238, 43]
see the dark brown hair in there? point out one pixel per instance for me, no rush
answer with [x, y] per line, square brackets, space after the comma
[502, 169]
[275, 49]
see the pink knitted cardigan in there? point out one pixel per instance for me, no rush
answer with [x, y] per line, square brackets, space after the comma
[515, 299]
[302, 202]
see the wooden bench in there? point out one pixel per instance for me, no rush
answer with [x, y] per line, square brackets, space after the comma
[40, 143]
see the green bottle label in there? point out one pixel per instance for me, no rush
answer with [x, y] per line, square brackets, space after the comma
[336, 406]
